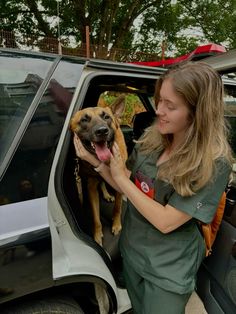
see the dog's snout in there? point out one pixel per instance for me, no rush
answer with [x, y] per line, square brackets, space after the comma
[102, 131]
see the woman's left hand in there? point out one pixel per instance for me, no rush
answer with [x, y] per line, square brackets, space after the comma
[117, 164]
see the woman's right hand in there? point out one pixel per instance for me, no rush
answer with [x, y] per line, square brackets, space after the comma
[83, 154]
[117, 164]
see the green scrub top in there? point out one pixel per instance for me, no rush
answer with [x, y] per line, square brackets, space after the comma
[168, 260]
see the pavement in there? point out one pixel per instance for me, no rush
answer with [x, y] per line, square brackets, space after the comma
[195, 305]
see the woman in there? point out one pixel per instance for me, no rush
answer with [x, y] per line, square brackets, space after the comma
[179, 170]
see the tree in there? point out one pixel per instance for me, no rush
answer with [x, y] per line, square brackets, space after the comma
[215, 18]
[152, 26]
[187, 24]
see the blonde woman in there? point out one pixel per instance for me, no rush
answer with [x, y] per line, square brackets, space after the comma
[178, 172]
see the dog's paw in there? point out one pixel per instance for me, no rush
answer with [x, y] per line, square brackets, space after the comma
[98, 237]
[106, 195]
[116, 224]
[109, 198]
[116, 228]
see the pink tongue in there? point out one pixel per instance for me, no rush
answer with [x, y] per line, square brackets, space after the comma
[102, 152]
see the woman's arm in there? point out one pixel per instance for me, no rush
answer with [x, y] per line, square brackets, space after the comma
[165, 218]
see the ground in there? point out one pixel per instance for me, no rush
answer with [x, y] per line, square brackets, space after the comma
[195, 305]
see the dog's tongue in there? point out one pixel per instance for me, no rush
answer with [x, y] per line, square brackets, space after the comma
[102, 151]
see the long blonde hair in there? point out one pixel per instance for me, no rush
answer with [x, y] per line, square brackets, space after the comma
[191, 165]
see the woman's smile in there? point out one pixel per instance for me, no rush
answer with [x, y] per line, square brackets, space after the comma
[161, 123]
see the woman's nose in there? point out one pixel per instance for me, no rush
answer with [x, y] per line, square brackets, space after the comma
[159, 110]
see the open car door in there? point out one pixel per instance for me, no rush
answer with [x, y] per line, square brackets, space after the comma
[217, 275]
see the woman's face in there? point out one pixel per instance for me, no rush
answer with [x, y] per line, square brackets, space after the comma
[173, 115]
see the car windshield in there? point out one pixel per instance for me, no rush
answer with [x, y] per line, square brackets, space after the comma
[20, 79]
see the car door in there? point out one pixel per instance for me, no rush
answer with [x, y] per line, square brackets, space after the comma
[35, 95]
[76, 256]
[217, 275]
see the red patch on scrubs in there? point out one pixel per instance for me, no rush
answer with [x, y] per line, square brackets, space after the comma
[144, 183]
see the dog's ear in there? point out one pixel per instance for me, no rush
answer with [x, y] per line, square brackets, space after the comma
[74, 121]
[71, 125]
[118, 106]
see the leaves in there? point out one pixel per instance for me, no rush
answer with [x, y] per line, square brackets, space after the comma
[152, 26]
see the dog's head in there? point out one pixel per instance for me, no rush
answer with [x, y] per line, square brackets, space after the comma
[96, 127]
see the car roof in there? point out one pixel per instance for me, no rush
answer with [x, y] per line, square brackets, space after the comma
[224, 62]
[91, 62]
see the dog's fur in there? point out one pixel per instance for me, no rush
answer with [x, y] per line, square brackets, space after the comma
[98, 128]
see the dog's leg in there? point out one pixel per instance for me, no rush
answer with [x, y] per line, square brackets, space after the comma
[116, 224]
[106, 195]
[94, 202]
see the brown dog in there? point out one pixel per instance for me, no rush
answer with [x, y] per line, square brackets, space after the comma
[97, 129]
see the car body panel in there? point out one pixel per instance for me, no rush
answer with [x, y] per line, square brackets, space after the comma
[25, 248]
[76, 256]
[224, 62]
[216, 282]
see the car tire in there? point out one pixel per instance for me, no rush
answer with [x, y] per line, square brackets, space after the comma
[55, 305]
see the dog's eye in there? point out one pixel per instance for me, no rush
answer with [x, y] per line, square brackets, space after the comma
[105, 116]
[85, 119]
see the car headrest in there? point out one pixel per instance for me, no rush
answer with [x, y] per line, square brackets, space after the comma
[141, 121]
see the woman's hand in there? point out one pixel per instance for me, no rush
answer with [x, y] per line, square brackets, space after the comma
[83, 154]
[117, 165]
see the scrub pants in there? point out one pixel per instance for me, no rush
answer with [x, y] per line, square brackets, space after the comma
[147, 298]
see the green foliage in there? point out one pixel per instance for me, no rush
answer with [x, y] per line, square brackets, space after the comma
[133, 105]
[187, 24]
[137, 25]
[215, 18]
[184, 44]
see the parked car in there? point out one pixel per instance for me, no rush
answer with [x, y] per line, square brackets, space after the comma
[48, 257]
[217, 275]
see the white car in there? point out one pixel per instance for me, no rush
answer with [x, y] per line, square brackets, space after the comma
[49, 259]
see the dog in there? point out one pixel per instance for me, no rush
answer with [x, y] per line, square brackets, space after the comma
[98, 128]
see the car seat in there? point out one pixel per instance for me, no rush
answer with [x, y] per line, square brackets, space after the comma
[141, 121]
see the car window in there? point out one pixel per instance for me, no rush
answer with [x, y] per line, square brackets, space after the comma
[133, 104]
[20, 79]
[230, 112]
[28, 173]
